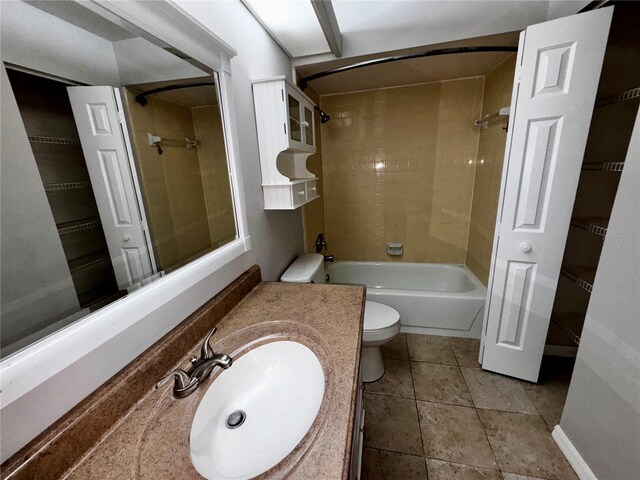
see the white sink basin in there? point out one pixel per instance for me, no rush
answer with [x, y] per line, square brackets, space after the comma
[279, 386]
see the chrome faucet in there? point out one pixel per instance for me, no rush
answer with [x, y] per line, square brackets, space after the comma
[187, 382]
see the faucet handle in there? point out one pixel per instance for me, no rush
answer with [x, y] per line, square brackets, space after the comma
[206, 351]
[183, 380]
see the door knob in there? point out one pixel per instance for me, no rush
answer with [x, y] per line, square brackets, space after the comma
[525, 247]
[126, 238]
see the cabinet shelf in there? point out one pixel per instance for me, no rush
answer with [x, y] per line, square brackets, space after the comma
[570, 323]
[595, 225]
[604, 167]
[582, 275]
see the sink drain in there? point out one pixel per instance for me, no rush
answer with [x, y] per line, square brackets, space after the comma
[235, 419]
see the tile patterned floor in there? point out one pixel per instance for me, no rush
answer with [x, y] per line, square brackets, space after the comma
[436, 415]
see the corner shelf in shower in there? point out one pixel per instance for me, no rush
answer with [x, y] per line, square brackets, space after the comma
[595, 225]
[582, 275]
[603, 167]
[570, 323]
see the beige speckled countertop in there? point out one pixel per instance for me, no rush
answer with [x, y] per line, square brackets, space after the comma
[152, 440]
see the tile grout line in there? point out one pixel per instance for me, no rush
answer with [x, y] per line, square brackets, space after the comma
[484, 430]
[415, 401]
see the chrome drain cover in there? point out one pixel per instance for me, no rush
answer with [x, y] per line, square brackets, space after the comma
[235, 419]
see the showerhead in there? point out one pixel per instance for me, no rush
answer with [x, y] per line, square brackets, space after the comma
[324, 117]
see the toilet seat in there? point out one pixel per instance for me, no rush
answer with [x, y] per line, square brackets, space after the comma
[381, 322]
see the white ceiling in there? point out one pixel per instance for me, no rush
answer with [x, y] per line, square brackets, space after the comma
[292, 23]
[409, 72]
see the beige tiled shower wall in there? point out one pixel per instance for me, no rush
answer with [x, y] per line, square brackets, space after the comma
[186, 191]
[214, 170]
[399, 166]
[314, 211]
[497, 94]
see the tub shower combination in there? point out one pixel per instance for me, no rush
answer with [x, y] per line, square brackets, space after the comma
[433, 299]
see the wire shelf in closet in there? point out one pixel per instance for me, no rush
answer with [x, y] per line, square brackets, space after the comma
[582, 275]
[73, 227]
[631, 94]
[90, 261]
[54, 140]
[50, 187]
[595, 225]
[570, 323]
[604, 166]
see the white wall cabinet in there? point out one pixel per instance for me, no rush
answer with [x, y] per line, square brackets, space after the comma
[286, 138]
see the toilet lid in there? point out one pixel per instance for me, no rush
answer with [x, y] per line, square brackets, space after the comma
[378, 316]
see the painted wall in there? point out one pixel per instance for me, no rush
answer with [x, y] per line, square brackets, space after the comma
[37, 287]
[38, 40]
[601, 416]
[314, 211]
[486, 187]
[399, 165]
[276, 235]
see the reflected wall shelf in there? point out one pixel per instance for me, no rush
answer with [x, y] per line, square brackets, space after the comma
[570, 323]
[604, 167]
[583, 276]
[595, 225]
[631, 94]
[50, 187]
[73, 227]
[286, 138]
[54, 140]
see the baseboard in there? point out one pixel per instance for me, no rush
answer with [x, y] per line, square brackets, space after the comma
[575, 459]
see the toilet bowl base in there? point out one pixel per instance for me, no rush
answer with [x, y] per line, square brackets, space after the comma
[371, 364]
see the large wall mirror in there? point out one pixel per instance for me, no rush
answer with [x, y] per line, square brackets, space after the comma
[115, 167]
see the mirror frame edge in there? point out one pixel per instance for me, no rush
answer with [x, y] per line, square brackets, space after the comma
[163, 23]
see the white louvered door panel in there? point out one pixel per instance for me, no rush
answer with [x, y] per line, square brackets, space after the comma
[96, 116]
[556, 81]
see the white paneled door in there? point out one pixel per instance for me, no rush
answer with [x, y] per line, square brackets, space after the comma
[99, 124]
[555, 85]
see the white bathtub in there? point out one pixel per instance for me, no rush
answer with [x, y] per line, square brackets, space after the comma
[432, 298]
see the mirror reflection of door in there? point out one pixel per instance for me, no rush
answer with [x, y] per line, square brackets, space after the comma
[92, 209]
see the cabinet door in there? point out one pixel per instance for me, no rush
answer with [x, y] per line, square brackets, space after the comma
[294, 121]
[308, 125]
[556, 83]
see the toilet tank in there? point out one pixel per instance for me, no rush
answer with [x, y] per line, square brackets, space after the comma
[308, 268]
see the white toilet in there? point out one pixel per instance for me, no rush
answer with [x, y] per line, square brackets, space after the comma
[381, 322]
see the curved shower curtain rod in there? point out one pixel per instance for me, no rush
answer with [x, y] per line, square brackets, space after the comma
[142, 100]
[304, 81]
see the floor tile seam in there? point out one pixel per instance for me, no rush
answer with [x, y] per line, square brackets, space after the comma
[497, 469]
[484, 431]
[413, 385]
[433, 363]
[444, 403]
[388, 395]
[393, 451]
